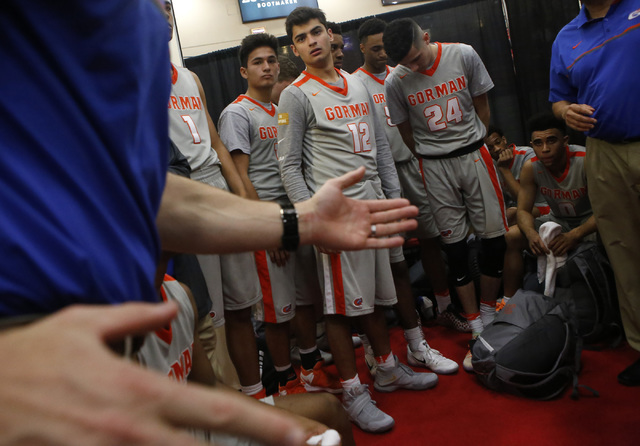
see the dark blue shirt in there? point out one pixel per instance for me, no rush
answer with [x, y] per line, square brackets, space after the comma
[83, 140]
[597, 62]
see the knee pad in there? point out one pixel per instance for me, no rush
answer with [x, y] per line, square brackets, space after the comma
[493, 250]
[458, 259]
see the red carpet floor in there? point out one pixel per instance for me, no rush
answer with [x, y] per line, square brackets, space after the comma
[459, 411]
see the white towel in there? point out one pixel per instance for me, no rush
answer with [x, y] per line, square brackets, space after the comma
[547, 265]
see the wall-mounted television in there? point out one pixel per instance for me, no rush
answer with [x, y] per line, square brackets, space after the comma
[399, 2]
[254, 10]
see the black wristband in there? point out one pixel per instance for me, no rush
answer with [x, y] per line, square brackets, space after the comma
[290, 236]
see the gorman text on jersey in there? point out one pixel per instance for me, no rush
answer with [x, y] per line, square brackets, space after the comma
[181, 368]
[437, 92]
[572, 194]
[185, 103]
[347, 111]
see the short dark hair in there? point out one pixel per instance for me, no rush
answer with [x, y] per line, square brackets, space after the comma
[288, 69]
[302, 15]
[399, 36]
[371, 27]
[545, 121]
[253, 41]
[494, 129]
[334, 27]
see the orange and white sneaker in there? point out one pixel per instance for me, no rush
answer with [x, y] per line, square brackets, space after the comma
[467, 364]
[292, 387]
[319, 379]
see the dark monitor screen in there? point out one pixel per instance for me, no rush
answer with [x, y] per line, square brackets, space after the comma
[254, 10]
[399, 2]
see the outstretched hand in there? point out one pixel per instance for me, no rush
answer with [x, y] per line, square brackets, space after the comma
[336, 222]
[64, 386]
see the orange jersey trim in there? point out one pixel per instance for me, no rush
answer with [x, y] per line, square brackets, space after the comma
[434, 67]
[373, 76]
[308, 76]
[488, 161]
[265, 286]
[338, 285]
[243, 97]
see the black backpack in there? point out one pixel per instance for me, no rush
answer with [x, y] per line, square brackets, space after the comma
[587, 279]
[531, 349]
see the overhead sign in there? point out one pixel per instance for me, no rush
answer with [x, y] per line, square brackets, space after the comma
[253, 10]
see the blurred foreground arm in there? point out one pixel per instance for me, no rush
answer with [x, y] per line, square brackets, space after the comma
[198, 218]
[64, 386]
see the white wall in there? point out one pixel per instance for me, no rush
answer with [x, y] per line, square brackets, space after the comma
[211, 25]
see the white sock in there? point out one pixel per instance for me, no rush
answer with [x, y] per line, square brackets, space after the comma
[487, 312]
[251, 390]
[386, 363]
[475, 321]
[443, 301]
[350, 384]
[414, 337]
[505, 299]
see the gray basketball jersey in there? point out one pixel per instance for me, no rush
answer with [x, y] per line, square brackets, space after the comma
[566, 195]
[343, 138]
[260, 124]
[375, 86]
[438, 102]
[188, 126]
[170, 350]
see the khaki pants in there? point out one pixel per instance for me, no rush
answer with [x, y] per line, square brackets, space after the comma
[613, 177]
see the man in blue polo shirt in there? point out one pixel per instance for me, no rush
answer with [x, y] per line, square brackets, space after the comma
[595, 89]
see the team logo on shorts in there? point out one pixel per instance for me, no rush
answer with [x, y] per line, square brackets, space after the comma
[634, 14]
[212, 314]
[357, 302]
[446, 233]
[287, 309]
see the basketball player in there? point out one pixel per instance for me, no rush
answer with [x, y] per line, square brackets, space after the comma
[509, 159]
[337, 44]
[326, 127]
[557, 173]
[248, 128]
[372, 75]
[438, 98]
[176, 352]
[232, 280]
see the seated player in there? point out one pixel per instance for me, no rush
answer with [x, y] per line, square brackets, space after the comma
[557, 173]
[176, 352]
[509, 159]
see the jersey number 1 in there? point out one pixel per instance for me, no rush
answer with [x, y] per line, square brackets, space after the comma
[192, 128]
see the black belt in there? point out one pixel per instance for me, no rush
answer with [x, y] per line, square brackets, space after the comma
[458, 152]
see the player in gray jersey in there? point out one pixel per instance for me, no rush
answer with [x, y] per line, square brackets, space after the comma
[557, 172]
[372, 74]
[248, 128]
[509, 159]
[326, 126]
[231, 279]
[437, 96]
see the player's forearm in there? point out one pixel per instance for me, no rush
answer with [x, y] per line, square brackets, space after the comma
[526, 223]
[588, 227]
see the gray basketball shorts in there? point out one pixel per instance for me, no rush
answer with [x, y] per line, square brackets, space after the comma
[232, 279]
[286, 287]
[353, 282]
[413, 189]
[465, 190]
